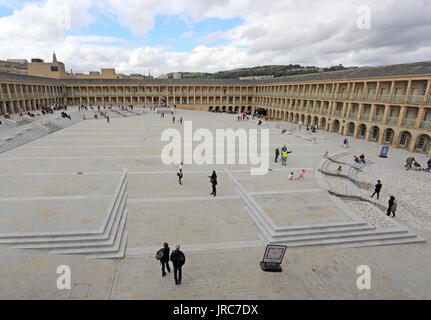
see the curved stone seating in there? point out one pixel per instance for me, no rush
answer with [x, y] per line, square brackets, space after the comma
[398, 235]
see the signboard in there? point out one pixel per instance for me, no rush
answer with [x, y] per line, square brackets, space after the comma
[273, 258]
[384, 152]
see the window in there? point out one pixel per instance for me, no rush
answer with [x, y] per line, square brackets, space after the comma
[54, 69]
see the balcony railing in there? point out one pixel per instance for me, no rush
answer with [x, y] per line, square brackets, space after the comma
[377, 118]
[425, 125]
[392, 120]
[408, 123]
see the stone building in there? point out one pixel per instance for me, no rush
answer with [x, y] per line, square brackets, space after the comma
[388, 104]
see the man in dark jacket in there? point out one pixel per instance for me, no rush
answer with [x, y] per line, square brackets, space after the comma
[277, 154]
[178, 259]
[377, 189]
[164, 261]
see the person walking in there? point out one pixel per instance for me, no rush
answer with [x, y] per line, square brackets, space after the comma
[164, 261]
[277, 154]
[377, 189]
[180, 173]
[339, 170]
[390, 205]
[394, 207]
[181, 120]
[173, 119]
[107, 119]
[213, 180]
[178, 260]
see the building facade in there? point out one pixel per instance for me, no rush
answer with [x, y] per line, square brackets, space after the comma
[389, 105]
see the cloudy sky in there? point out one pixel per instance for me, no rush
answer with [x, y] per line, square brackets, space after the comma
[136, 36]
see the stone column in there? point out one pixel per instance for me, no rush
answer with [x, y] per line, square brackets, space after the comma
[368, 134]
[420, 117]
[372, 112]
[392, 91]
[428, 91]
[386, 113]
[360, 110]
[401, 116]
[409, 91]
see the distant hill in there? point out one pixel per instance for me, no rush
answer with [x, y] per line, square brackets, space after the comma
[275, 71]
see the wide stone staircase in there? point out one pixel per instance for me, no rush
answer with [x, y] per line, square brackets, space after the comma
[354, 233]
[109, 241]
[22, 137]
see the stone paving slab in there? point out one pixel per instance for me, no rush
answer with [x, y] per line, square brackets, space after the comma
[206, 221]
[49, 186]
[52, 215]
[301, 208]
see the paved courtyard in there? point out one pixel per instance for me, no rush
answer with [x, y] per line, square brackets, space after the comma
[65, 181]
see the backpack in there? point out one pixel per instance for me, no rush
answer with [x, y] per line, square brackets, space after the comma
[159, 254]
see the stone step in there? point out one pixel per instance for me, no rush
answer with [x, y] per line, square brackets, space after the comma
[321, 226]
[114, 248]
[338, 235]
[381, 243]
[98, 243]
[352, 240]
[105, 225]
[116, 255]
[265, 230]
[317, 231]
[48, 242]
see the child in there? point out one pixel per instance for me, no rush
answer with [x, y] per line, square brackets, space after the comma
[290, 177]
[301, 175]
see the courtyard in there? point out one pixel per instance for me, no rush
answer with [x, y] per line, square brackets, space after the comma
[65, 181]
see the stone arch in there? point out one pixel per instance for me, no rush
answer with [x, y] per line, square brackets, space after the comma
[296, 117]
[323, 123]
[210, 109]
[335, 126]
[404, 139]
[362, 131]
[217, 109]
[308, 121]
[223, 109]
[242, 109]
[388, 136]
[422, 144]
[315, 120]
[302, 118]
[236, 109]
[374, 133]
[230, 109]
[249, 109]
[350, 129]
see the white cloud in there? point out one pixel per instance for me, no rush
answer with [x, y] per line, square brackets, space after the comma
[273, 32]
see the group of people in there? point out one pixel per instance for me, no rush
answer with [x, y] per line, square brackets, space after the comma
[177, 258]
[284, 155]
[392, 203]
[412, 164]
[360, 159]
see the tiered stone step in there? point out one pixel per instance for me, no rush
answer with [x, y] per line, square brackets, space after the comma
[109, 240]
[352, 234]
[20, 139]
